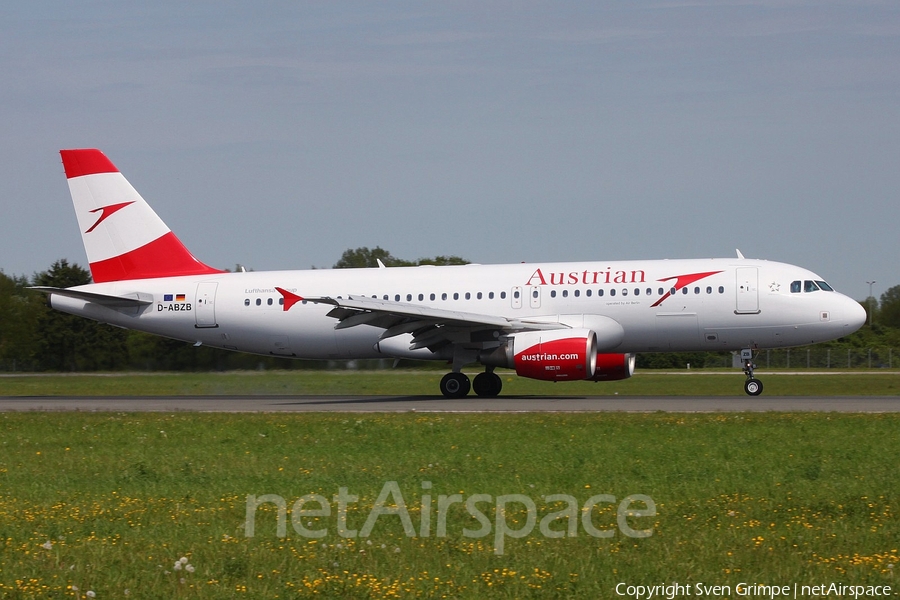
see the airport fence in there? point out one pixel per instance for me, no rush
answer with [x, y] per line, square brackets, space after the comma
[785, 358]
[827, 358]
[812, 357]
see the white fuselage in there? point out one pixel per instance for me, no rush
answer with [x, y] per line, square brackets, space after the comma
[717, 304]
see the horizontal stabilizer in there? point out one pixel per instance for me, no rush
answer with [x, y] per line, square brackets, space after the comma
[134, 300]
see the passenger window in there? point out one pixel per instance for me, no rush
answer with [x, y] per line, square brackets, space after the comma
[259, 301]
[599, 293]
[385, 297]
[281, 302]
[397, 298]
[503, 295]
[684, 290]
[421, 297]
[516, 294]
[431, 296]
[468, 296]
[478, 296]
[795, 287]
[697, 290]
[810, 286]
[409, 297]
[553, 293]
[624, 292]
[612, 292]
[587, 293]
[444, 296]
[721, 289]
[565, 293]
[661, 291]
[637, 291]
[490, 295]
[709, 290]
[649, 291]
[247, 302]
[577, 293]
[456, 295]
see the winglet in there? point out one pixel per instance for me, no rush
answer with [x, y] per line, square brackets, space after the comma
[290, 298]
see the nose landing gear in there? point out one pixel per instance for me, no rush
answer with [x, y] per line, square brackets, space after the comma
[752, 385]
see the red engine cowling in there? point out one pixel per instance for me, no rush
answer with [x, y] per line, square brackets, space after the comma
[611, 367]
[555, 355]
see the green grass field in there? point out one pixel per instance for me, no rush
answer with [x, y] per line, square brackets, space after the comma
[108, 503]
[425, 382]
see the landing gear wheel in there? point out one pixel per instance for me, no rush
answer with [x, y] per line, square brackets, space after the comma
[753, 387]
[455, 385]
[487, 384]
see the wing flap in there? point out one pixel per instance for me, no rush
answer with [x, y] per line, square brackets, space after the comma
[430, 327]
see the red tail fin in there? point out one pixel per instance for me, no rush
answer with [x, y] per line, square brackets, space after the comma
[123, 237]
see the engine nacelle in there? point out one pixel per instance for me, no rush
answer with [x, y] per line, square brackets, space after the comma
[554, 355]
[611, 367]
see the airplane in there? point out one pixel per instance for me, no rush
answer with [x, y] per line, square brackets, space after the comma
[561, 321]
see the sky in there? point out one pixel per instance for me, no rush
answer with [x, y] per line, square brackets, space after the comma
[276, 135]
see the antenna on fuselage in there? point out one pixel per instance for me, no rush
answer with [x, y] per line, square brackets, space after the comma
[741, 256]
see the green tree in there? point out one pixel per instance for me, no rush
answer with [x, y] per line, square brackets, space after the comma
[889, 311]
[360, 258]
[19, 313]
[70, 343]
[442, 261]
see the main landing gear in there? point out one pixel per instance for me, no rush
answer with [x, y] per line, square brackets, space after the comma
[457, 385]
[752, 385]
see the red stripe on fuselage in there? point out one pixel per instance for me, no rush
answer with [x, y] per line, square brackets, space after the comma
[86, 162]
[165, 256]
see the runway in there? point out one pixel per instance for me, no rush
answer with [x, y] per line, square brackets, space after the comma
[470, 404]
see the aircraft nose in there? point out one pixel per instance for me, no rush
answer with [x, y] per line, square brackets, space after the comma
[854, 314]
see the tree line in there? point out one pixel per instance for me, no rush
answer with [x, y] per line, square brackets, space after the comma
[34, 337]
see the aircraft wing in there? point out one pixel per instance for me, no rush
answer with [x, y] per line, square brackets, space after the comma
[135, 300]
[430, 327]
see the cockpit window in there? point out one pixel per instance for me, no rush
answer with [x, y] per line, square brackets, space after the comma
[810, 286]
[795, 287]
[825, 286]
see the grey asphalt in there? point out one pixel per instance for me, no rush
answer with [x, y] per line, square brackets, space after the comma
[850, 404]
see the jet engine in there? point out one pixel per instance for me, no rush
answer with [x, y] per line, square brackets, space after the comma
[559, 355]
[554, 355]
[612, 367]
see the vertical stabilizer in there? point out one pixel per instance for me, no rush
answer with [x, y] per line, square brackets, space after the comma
[123, 237]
